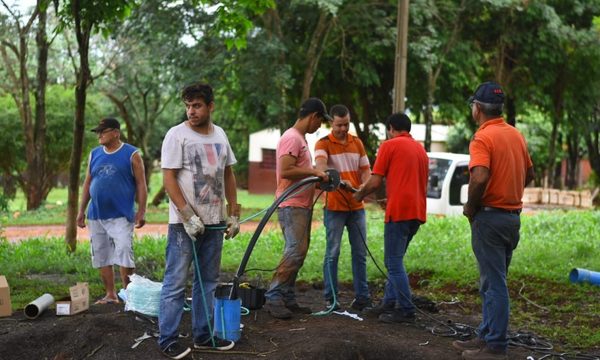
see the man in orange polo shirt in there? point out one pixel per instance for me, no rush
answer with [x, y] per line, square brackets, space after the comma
[500, 169]
[345, 153]
[405, 165]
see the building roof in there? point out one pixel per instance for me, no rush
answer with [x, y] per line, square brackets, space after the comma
[268, 138]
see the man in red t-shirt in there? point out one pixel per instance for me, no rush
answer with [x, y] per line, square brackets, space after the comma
[405, 165]
[500, 169]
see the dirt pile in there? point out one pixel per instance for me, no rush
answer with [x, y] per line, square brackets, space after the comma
[107, 332]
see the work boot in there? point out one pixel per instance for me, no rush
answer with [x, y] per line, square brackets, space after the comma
[397, 316]
[215, 343]
[485, 353]
[297, 309]
[381, 308]
[176, 351]
[472, 344]
[329, 303]
[361, 304]
[277, 310]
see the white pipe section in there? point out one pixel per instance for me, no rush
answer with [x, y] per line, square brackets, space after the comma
[37, 306]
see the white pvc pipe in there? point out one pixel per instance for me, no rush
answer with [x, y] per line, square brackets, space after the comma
[37, 306]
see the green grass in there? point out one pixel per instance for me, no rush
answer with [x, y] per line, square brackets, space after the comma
[54, 210]
[552, 243]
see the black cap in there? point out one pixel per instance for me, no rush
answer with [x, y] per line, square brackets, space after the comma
[314, 105]
[488, 93]
[107, 123]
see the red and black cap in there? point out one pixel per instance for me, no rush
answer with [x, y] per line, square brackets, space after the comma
[107, 123]
[488, 93]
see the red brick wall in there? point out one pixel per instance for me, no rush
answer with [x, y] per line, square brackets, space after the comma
[261, 180]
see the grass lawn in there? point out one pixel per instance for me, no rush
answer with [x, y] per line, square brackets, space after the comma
[54, 210]
[552, 243]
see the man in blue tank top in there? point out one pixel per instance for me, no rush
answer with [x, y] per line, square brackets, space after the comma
[114, 180]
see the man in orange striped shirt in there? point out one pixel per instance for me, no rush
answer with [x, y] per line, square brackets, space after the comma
[345, 153]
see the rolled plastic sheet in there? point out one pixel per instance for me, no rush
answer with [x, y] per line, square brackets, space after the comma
[38, 306]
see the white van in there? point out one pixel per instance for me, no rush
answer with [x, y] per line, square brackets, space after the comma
[448, 183]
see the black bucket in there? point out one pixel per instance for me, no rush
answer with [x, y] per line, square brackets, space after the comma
[253, 298]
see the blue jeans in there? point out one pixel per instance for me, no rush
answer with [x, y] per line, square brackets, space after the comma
[494, 236]
[397, 236]
[178, 258]
[355, 222]
[295, 223]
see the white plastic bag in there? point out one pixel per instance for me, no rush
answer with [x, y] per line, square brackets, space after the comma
[143, 295]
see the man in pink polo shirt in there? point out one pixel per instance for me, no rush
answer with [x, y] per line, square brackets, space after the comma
[294, 163]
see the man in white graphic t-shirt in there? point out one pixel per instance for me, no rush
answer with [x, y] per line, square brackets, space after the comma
[197, 165]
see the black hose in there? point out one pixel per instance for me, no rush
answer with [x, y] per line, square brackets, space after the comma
[260, 227]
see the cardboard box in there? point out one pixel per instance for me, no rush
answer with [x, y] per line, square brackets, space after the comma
[569, 198]
[586, 200]
[5, 306]
[532, 196]
[78, 301]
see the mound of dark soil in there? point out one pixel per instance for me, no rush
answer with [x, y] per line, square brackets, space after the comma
[107, 332]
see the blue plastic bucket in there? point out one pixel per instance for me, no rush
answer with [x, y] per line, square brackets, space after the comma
[227, 319]
[583, 275]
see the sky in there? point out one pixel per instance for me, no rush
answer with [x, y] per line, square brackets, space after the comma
[21, 5]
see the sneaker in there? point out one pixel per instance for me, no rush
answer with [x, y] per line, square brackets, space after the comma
[397, 316]
[297, 309]
[424, 303]
[336, 306]
[375, 311]
[220, 344]
[176, 351]
[485, 353]
[473, 344]
[360, 305]
[278, 311]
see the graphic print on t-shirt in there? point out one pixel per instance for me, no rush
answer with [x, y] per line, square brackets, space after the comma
[106, 171]
[206, 158]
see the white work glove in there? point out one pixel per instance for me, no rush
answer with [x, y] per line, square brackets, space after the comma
[233, 227]
[233, 220]
[191, 222]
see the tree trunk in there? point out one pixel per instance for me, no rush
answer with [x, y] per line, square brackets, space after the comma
[592, 141]
[159, 197]
[273, 26]
[511, 111]
[83, 78]
[363, 133]
[39, 180]
[314, 51]
[572, 160]
[557, 115]
[434, 72]
[34, 180]
[431, 81]
[134, 138]
[549, 177]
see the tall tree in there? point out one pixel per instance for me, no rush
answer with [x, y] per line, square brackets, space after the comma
[582, 104]
[142, 85]
[563, 33]
[437, 27]
[85, 17]
[37, 178]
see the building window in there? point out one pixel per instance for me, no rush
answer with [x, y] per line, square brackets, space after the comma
[268, 159]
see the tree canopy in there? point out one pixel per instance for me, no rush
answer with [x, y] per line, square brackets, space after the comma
[264, 56]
